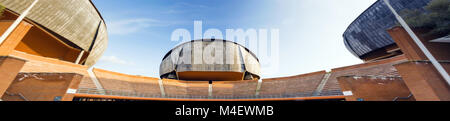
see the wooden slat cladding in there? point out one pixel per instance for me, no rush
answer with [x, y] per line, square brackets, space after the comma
[75, 20]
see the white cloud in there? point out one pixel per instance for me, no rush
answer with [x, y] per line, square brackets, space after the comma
[128, 26]
[189, 5]
[115, 60]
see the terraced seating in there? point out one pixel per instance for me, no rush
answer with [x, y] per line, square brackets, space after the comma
[300, 85]
[305, 85]
[128, 83]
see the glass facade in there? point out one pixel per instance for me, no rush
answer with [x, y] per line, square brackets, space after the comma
[368, 32]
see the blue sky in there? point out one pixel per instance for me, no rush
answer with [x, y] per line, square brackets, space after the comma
[310, 30]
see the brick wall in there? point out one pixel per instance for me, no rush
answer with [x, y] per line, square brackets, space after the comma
[424, 80]
[224, 88]
[244, 88]
[41, 86]
[300, 85]
[174, 87]
[378, 68]
[9, 68]
[421, 77]
[199, 88]
[375, 88]
[42, 64]
[127, 83]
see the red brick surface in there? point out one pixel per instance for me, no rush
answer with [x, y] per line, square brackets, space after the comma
[197, 88]
[9, 68]
[301, 85]
[295, 85]
[245, 88]
[41, 86]
[424, 81]
[377, 68]
[224, 88]
[374, 88]
[127, 83]
[40, 64]
[174, 87]
[185, 88]
[234, 88]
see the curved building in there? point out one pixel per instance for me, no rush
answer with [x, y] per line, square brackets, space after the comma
[367, 38]
[210, 60]
[69, 30]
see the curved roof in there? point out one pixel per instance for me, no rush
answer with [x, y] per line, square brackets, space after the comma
[168, 53]
[244, 60]
[367, 32]
[75, 20]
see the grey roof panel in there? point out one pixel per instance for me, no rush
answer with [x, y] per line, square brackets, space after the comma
[368, 32]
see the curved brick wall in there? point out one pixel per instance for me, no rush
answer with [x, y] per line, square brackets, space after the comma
[377, 68]
[38, 64]
[300, 85]
[127, 83]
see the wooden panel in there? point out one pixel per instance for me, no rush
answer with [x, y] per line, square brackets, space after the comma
[75, 20]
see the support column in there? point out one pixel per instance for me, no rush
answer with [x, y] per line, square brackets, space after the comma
[258, 87]
[161, 88]
[72, 87]
[419, 74]
[419, 42]
[424, 81]
[79, 57]
[210, 90]
[9, 68]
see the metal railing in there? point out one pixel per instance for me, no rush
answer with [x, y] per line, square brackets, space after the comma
[18, 94]
[151, 95]
[402, 98]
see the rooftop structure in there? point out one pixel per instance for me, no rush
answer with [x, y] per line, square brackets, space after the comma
[210, 60]
[62, 29]
[367, 37]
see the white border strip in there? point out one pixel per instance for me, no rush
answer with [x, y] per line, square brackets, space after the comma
[94, 78]
[210, 89]
[258, 87]
[79, 57]
[161, 88]
[322, 84]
